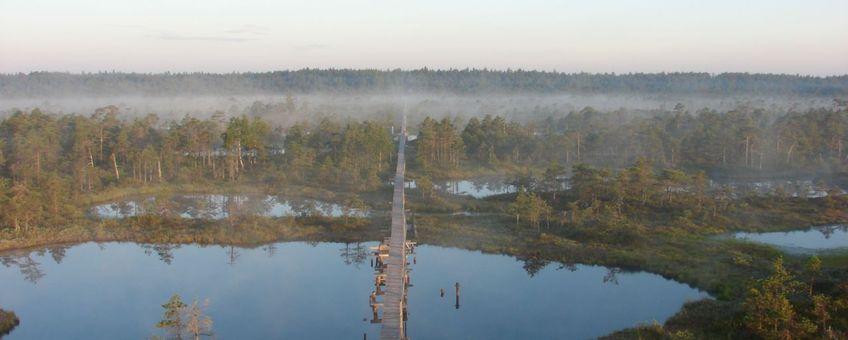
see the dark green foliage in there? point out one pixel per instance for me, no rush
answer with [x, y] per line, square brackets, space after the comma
[8, 322]
[172, 320]
[51, 163]
[438, 146]
[530, 207]
[768, 311]
[465, 81]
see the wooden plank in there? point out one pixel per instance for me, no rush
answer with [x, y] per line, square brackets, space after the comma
[392, 324]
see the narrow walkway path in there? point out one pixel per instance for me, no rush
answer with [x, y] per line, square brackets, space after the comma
[393, 307]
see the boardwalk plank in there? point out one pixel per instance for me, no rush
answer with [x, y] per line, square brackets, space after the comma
[392, 325]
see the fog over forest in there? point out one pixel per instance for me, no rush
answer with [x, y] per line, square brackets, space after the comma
[287, 97]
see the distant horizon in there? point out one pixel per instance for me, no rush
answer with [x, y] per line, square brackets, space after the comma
[429, 69]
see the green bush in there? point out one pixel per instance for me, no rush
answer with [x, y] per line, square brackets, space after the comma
[8, 322]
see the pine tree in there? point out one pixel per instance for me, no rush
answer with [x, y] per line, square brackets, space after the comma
[172, 321]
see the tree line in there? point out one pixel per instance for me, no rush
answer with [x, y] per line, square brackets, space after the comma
[49, 162]
[743, 140]
[464, 81]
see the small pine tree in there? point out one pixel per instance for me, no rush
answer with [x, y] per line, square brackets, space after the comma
[172, 321]
[813, 270]
[769, 313]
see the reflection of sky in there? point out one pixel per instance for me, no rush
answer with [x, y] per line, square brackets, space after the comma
[478, 188]
[498, 300]
[794, 188]
[828, 237]
[307, 291]
[218, 206]
[117, 293]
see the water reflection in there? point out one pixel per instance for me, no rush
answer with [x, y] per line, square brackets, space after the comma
[612, 275]
[232, 255]
[355, 254]
[489, 186]
[222, 206]
[533, 264]
[815, 238]
[164, 251]
[301, 290]
[805, 188]
[30, 268]
[477, 187]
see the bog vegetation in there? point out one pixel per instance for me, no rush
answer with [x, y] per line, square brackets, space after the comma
[627, 189]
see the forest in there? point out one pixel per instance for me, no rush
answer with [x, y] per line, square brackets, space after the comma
[457, 81]
[743, 141]
[49, 161]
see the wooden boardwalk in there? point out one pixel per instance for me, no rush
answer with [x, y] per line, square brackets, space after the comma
[395, 272]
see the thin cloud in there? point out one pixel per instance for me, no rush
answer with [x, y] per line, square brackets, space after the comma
[130, 26]
[178, 37]
[306, 47]
[241, 33]
[248, 30]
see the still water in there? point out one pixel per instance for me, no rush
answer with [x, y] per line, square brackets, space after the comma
[217, 206]
[320, 291]
[816, 238]
[477, 187]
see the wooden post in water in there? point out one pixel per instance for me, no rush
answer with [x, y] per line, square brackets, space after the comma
[457, 295]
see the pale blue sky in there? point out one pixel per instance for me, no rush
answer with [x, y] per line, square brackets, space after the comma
[804, 36]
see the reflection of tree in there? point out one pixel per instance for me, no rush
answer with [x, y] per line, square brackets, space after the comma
[829, 230]
[255, 205]
[355, 255]
[304, 208]
[230, 206]
[126, 208]
[207, 207]
[271, 249]
[57, 252]
[233, 254]
[533, 264]
[31, 271]
[166, 206]
[28, 266]
[165, 251]
[611, 276]
[326, 209]
[497, 186]
[568, 266]
[147, 207]
[191, 206]
[479, 186]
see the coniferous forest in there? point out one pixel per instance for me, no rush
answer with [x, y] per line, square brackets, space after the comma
[459, 81]
[50, 160]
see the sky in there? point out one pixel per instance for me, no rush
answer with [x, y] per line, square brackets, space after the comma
[775, 36]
